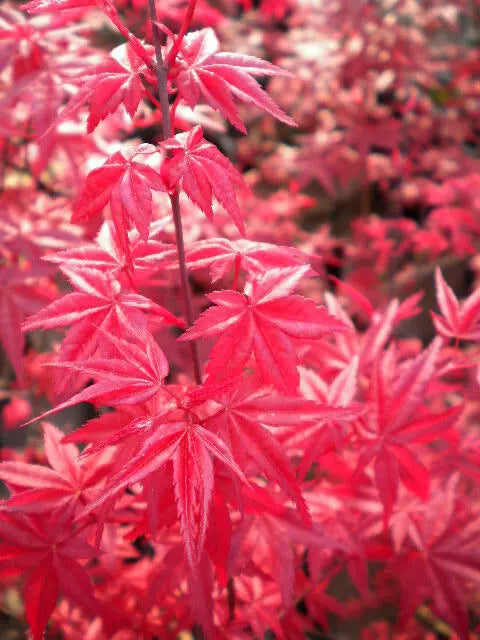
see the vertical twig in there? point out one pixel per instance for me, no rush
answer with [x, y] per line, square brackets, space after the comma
[231, 599]
[161, 73]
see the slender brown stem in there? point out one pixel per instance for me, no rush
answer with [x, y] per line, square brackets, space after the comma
[161, 73]
[231, 599]
[173, 111]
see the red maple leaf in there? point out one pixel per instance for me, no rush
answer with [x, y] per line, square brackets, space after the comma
[48, 549]
[445, 558]
[395, 423]
[264, 323]
[106, 255]
[133, 376]
[20, 294]
[458, 321]
[117, 80]
[40, 489]
[97, 305]
[221, 254]
[324, 435]
[202, 169]
[243, 417]
[200, 69]
[126, 184]
[191, 448]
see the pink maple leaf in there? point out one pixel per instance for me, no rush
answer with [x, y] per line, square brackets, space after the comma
[40, 489]
[97, 305]
[48, 550]
[203, 170]
[460, 321]
[201, 70]
[262, 323]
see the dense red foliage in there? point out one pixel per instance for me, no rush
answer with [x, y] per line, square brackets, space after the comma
[278, 437]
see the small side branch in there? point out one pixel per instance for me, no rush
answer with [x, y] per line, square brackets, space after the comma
[183, 30]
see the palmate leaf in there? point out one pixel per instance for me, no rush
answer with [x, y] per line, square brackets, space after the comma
[202, 71]
[97, 305]
[270, 525]
[134, 376]
[126, 184]
[115, 81]
[21, 293]
[107, 254]
[246, 411]
[203, 172]
[443, 561]
[395, 423]
[190, 448]
[324, 435]
[40, 489]
[264, 324]
[220, 255]
[48, 550]
[458, 321]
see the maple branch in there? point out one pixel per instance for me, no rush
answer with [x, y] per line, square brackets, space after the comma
[161, 73]
[183, 30]
[173, 112]
[197, 632]
[231, 599]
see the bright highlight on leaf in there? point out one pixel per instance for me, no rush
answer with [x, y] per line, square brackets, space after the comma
[202, 71]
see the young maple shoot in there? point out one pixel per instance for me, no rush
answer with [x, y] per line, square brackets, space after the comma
[253, 439]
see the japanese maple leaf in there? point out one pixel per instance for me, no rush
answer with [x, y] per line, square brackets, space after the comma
[190, 448]
[324, 435]
[444, 560]
[135, 375]
[201, 70]
[368, 345]
[244, 415]
[260, 601]
[456, 227]
[458, 321]
[32, 224]
[98, 304]
[395, 423]
[106, 254]
[354, 544]
[202, 169]
[126, 184]
[264, 322]
[43, 56]
[68, 141]
[267, 533]
[115, 81]
[363, 133]
[220, 255]
[42, 89]
[47, 549]
[40, 489]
